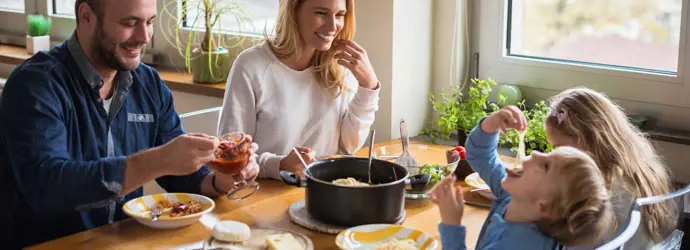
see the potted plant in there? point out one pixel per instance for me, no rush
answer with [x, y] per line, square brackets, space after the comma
[535, 138]
[38, 33]
[207, 56]
[459, 114]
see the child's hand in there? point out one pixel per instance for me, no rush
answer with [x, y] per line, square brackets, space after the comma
[449, 201]
[503, 119]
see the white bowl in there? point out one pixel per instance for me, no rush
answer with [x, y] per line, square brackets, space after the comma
[139, 209]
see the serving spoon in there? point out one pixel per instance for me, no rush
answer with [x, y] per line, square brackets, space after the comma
[371, 150]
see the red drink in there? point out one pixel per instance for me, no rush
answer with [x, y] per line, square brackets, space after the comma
[233, 166]
[232, 154]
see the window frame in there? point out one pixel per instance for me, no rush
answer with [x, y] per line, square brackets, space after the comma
[490, 41]
[14, 32]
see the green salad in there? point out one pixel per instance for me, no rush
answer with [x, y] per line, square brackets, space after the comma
[436, 172]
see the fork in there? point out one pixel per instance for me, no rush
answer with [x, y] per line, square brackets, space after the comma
[156, 212]
[406, 159]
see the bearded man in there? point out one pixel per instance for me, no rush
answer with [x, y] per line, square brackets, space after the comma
[84, 126]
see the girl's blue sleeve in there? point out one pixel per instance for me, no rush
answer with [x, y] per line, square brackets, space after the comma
[452, 236]
[482, 156]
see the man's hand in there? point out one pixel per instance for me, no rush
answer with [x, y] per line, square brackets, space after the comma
[180, 156]
[185, 154]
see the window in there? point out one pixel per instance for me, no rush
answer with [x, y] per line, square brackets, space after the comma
[635, 51]
[261, 14]
[12, 5]
[635, 34]
[63, 7]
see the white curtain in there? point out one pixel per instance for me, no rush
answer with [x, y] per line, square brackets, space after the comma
[452, 55]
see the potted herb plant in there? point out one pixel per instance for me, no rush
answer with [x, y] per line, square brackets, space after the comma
[208, 53]
[460, 114]
[38, 33]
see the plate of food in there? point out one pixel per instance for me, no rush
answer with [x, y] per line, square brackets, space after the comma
[474, 181]
[178, 209]
[385, 236]
[236, 235]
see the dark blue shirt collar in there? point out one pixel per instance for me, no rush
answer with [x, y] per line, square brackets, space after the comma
[123, 79]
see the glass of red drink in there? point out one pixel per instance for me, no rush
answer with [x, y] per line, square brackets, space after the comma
[231, 158]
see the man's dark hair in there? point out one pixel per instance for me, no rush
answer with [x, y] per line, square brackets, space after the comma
[94, 4]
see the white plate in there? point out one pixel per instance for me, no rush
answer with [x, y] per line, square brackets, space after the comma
[476, 182]
[370, 236]
[257, 240]
[139, 209]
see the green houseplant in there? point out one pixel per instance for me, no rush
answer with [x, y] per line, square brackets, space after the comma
[208, 53]
[458, 113]
[38, 33]
[461, 115]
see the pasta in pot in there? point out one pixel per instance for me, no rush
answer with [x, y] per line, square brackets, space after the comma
[349, 181]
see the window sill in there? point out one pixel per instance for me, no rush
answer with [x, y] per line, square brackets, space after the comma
[670, 135]
[177, 81]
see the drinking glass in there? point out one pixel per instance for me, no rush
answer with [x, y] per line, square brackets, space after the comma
[232, 156]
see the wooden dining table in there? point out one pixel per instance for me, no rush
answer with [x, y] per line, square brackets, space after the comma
[267, 208]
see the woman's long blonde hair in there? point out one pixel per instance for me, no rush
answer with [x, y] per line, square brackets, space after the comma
[287, 44]
[580, 212]
[599, 126]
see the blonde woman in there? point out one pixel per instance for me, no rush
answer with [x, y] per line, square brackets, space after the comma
[309, 86]
[588, 120]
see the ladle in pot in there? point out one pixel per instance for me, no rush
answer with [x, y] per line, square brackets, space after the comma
[371, 150]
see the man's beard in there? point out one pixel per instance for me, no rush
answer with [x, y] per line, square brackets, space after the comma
[106, 49]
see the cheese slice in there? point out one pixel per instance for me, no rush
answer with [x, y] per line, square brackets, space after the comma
[283, 242]
[231, 231]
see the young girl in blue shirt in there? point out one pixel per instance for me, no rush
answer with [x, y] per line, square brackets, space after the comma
[558, 198]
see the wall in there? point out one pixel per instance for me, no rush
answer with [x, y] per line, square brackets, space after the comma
[412, 53]
[403, 66]
[375, 34]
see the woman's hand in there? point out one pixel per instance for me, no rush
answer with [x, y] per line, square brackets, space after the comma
[355, 58]
[292, 163]
[449, 200]
[504, 119]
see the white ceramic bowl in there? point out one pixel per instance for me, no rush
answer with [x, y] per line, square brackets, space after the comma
[139, 209]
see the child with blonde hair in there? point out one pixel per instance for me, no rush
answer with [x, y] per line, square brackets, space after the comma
[558, 198]
[590, 121]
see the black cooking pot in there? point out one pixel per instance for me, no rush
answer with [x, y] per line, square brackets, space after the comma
[383, 202]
